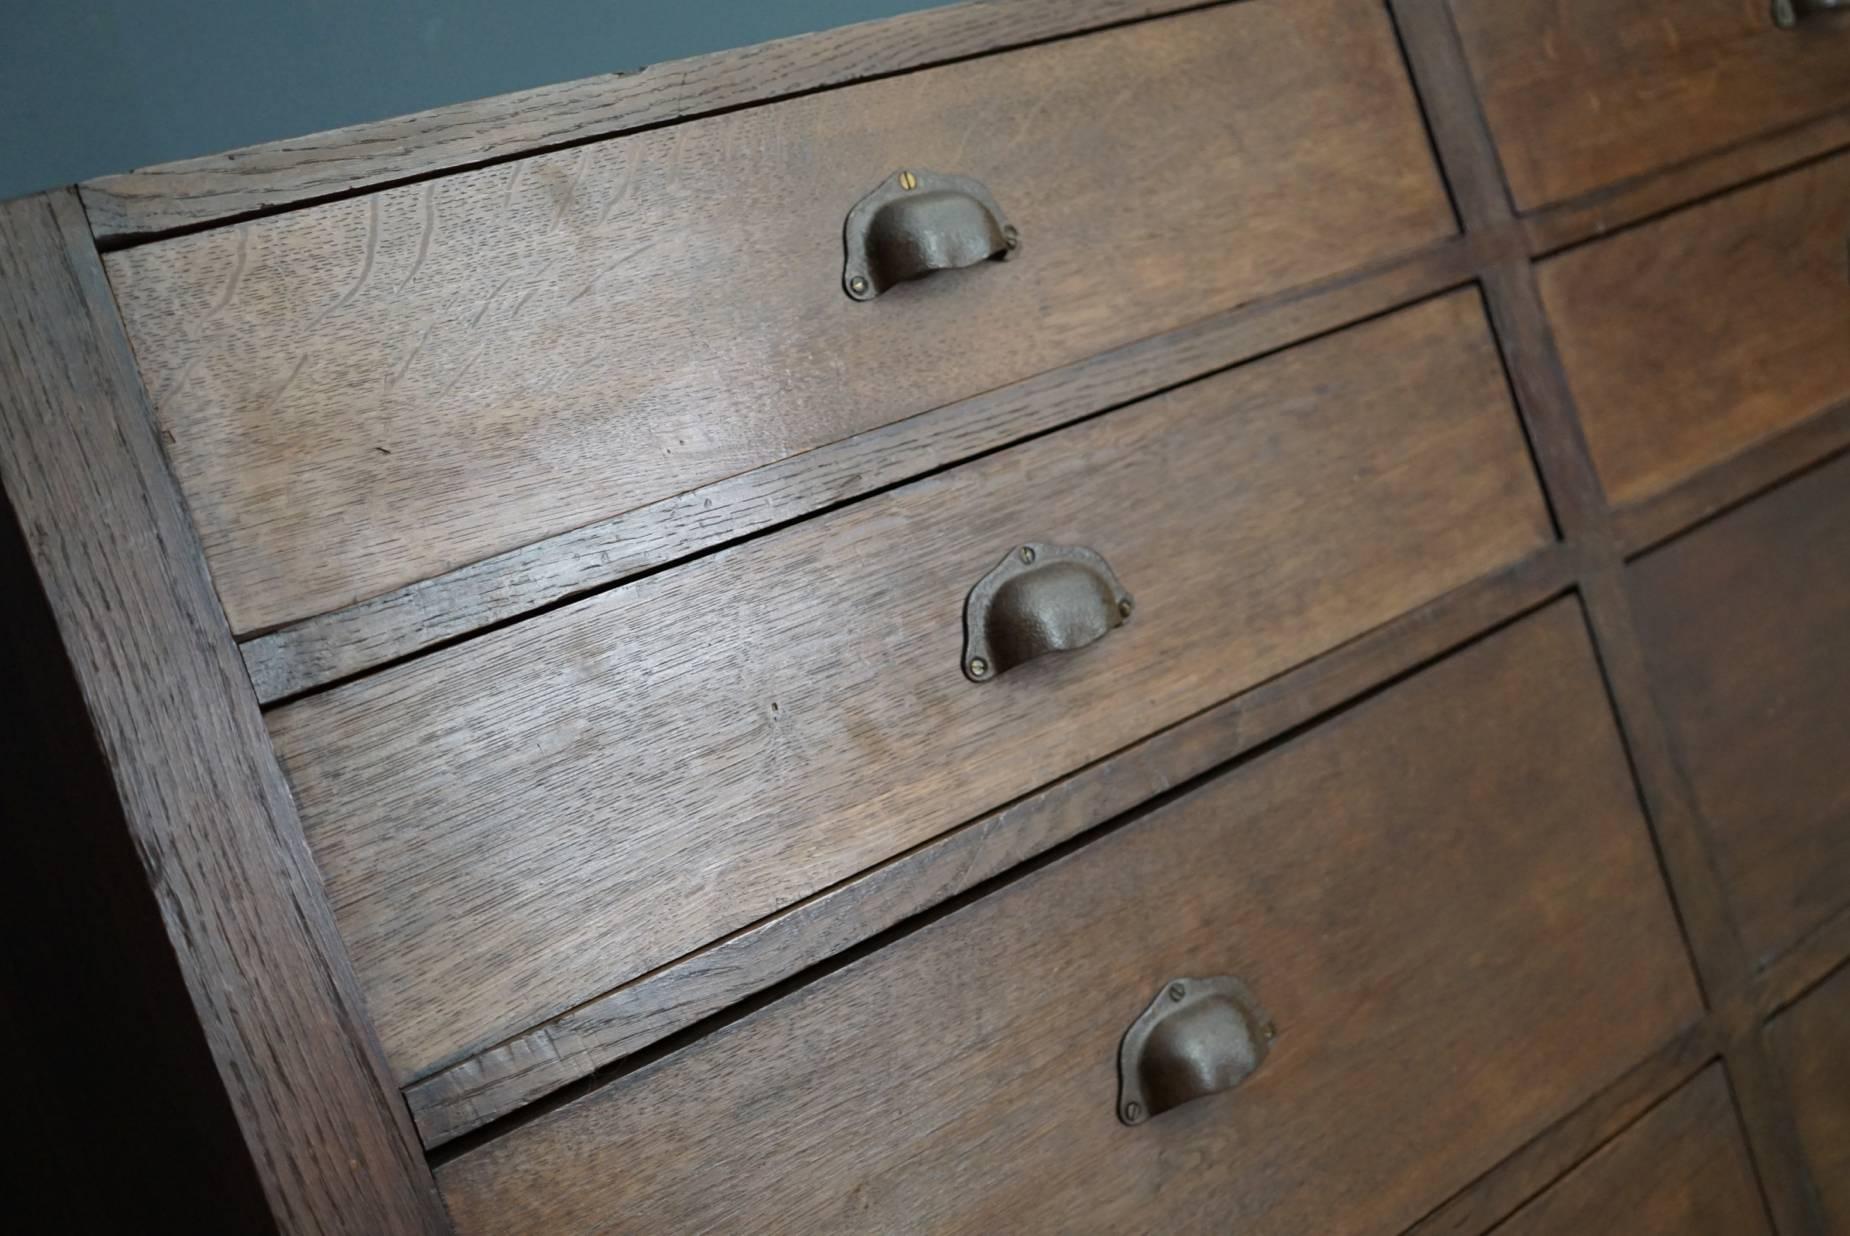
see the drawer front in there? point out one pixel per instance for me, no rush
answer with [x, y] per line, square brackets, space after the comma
[1746, 629]
[965, 1078]
[1581, 94]
[1811, 1041]
[1682, 1170]
[1693, 337]
[520, 822]
[367, 393]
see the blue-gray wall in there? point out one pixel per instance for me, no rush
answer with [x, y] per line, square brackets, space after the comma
[95, 86]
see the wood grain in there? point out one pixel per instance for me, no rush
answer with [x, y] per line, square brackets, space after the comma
[963, 1079]
[1756, 469]
[324, 649]
[1582, 94]
[1682, 1170]
[1694, 337]
[1634, 201]
[190, 763]
[367, 393]
[520, 822]
[1746, 628]
[1811, 1041]
[192, 193]
[1492, 1197]
[498, 1080]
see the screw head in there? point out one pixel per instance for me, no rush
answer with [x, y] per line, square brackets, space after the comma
[1133, 1112]
[1026, 553]
[979, 668]
[858, 285]
[1125, 607]
[1011, 237]
[1177, 991]
[1271, 1032]
[908, 181]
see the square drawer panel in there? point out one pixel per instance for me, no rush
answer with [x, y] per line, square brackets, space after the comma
[366, 393]
[1443, 900]
[514, 824]
[1681, 1170]
[1811, 1042]
[1695, 336]
[1582, 94]
[1745, 624]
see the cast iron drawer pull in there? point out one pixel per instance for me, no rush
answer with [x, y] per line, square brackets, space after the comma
[1039, 599]
[1788, 12]
[1197, 1038]
[918, 222]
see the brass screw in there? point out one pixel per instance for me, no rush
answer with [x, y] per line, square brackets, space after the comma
[1027, 553]
[979, 668]
[908, 181]
[858, 286]
[1011, 237]
[1177, 991]
[1125, 607]
[1133, 1112]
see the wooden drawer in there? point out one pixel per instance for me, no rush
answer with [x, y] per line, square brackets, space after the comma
[1689, 339]
[1682, 1170]
[1445, 899]
[366, 393]
[519, 822]
[1581, 94]
[1745, 624]
[1811, 1041]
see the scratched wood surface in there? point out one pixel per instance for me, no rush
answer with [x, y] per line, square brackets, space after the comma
[1745, 624]
[964, 1078]
[366, 393]
[1692, 338]
[191, 193]
[1582, 94]
[1682, 1170]
[1811, 1041]
[522, 821]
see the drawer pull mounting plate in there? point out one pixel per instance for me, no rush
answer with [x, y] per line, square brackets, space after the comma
[918, 222]
[1039, 599]
[1199, 1037]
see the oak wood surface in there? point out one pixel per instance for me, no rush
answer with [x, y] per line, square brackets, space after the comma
[1811, 1041]
[499, 1079]
[1682, 1170]
[370, 392]
[1708, 493]
[963, 1079]
[1636, 200]
[1492, 1197]
[191, 193]
[1582, 94]
[1696, 336]
[525, 820]
[345, 642]
[1745, 624]
[189, 761]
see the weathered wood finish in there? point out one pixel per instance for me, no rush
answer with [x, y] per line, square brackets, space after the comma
[367, 393]
[200, 792]
[964, 1078]
[192, 193]
[509, 826]
[1582, 94]
[1746, 627]
[338, 645]
[1694, 337]
[496, 1081]
[1680, 1171]
[1812, 1043]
